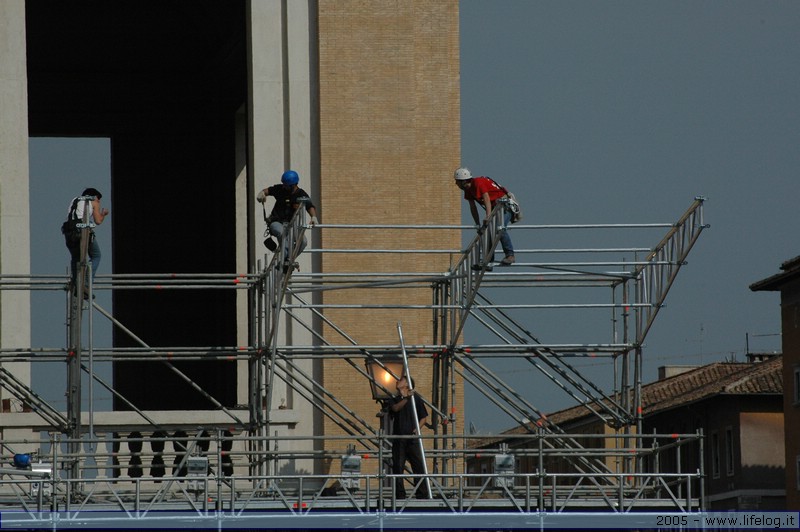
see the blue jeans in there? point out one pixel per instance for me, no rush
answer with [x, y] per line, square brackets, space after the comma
[505, 240]
[276, 229]
[93, 251]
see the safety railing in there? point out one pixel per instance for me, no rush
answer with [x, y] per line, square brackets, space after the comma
[199, 474]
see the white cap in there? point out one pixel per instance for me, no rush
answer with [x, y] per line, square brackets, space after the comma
[462, 174]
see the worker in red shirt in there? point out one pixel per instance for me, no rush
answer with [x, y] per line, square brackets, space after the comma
[486, 191]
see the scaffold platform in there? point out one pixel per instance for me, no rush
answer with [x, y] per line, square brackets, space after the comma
[225, 467]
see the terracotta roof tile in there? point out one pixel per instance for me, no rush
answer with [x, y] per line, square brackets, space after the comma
[730, 378]
[713, 379]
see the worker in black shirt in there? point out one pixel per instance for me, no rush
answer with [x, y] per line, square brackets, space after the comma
[288, 198]
[409, 449]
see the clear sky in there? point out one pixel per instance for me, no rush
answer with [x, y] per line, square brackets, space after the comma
[623, 112]
[590, 112]
[61, 169]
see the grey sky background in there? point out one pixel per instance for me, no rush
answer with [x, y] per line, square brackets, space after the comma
[590, 112]
[61, 169]
[623, 112]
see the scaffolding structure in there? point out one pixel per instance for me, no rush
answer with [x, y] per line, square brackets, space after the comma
[85, 467]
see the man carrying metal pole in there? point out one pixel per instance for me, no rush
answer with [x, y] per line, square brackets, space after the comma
[408, 414]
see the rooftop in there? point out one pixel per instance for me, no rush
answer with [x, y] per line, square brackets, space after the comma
[719, 378]
[791, 271]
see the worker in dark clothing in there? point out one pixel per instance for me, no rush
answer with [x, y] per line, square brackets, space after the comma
[288, 198]
[409, 449]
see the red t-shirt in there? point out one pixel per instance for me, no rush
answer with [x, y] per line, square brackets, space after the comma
[481, 185]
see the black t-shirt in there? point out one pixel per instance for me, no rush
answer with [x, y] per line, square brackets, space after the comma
[404, 419]
[285, 200]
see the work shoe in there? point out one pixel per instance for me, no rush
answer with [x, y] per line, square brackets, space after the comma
[508, 261]
[479, 267]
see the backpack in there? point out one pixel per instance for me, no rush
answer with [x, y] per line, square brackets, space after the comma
[70, 229]
[513, 206]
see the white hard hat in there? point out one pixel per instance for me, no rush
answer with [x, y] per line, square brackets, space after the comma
[462, 174]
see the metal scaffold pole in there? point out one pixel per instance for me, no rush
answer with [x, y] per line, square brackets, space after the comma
[418, 432]
[81, 276]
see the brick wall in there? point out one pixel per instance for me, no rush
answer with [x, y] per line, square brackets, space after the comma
[390, 140]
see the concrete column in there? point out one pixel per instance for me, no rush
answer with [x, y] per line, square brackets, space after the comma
[15, 256]
[282, 116]
[14, 218]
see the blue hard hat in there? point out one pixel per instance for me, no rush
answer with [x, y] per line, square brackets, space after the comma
[290, 177]
[22, 461]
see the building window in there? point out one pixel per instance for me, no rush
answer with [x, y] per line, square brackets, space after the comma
[715, 454]
[797, 471]
[729, 450]
[797, 385]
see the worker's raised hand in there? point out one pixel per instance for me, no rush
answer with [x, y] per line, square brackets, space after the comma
[262, 196]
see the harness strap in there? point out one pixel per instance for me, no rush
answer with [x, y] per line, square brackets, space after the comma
[73, 211]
